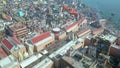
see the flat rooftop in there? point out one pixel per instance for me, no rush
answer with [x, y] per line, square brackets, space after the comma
[77, 64]
[108, 37]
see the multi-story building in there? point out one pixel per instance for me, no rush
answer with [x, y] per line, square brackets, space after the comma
[14, 47]
[84, 33]
[17, 30]
[114, 56]
[45, 63]
[98, 31]
[9, 62]
[41, 41]
[31, 61]
[76, 61]
[82, 23]
[76, 44]
[63, 50]
[109, 37]
[79, 43]
[73, 27]
[114, 51]
[29, 48]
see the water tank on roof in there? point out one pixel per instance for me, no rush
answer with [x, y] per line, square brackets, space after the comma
[56, 30]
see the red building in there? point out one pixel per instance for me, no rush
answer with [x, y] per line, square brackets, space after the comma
[115, 51]
[71, 10]
[82, 22]
[42, 40]
[72, 27]
[3, 54]
[14, 47]
[84, 33]
[98, 31]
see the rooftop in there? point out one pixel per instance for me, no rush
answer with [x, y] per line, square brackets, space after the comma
[81, 21]
[75, 63]
[30, 60]
[98, 30]
[63, 50]
[44, 63]
[9, 62]
[70, 26]
[17, 26]
[108, 37]
[82, 32]
[42, 38]
[2, 53]
[12, 43]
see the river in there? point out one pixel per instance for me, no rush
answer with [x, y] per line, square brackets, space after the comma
[109, 9]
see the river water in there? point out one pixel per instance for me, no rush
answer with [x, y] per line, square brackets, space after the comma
[109, 9]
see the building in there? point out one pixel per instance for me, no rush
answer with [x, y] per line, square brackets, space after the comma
[59, 34]
[76, 61]
[114, 51]
[87, 42]
[45, 63]
[118, 42]
[29, 47]
[41, 41]
[31, 61]
[63, 50]
[103, 22]
[79, 43]
[108, 37]
[69, 62]
[9, 62]
[64, 7]
[3, 54]
[73, 12]
[98, 31]
[73, 27]
[84, 33]
[14, 47]
[17, 30]
[82, 23]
